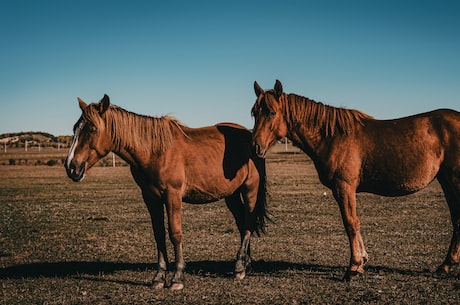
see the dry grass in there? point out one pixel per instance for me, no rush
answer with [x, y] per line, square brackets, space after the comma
[92, 243]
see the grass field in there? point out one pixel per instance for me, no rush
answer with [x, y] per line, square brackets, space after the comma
[92, 243]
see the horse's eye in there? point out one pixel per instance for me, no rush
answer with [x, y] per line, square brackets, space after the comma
[92, 129]
[256, 111]
[272, 114]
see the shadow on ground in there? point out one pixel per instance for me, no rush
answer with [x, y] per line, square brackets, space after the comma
[205, 268]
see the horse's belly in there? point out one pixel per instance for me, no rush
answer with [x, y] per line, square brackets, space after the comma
[385, 190]
[395, 187]
[400, 176]
[210, 192]
[198, 197]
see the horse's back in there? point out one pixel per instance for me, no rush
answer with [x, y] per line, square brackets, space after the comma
[449, 133]
[436, 122]
[449, 118]
[446, 118]
[445, 123]
[224, 135]
[234, 131]
[231, 125]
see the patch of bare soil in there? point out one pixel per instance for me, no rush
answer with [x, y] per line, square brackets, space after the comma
[92, 242]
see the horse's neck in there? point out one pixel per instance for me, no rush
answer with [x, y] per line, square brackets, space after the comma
[130, 155]
[310, 142]
[142, 154]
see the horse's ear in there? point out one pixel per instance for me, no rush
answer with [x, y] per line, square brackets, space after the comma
[104, 104]
[81, 103]
[257, 89]
[278, 88]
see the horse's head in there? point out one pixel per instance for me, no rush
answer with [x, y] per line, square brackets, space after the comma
[269, 125]
[91, 142]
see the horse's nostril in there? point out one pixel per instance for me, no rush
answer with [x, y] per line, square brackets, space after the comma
[70, 167]
[74, 172]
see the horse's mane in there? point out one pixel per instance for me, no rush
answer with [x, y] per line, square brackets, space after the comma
[320, 117]
[129, 130]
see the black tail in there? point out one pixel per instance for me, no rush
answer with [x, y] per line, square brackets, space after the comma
[260, 210]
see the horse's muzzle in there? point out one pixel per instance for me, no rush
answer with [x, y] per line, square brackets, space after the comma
[75, 173]
[260, 151]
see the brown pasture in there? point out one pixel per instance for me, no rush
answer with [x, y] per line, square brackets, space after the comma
[91, 243]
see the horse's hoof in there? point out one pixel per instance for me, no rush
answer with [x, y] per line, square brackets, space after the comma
[351, 275]
[158, 285]
[240, 275]
[443, 270]
[176, 286]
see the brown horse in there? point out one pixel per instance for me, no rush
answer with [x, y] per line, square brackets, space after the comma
[353, 152]
[172, 163]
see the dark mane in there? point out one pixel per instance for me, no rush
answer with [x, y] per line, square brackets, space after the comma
[128, 129]
[320, 117]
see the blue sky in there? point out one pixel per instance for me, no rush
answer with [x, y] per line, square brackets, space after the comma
[197, 60]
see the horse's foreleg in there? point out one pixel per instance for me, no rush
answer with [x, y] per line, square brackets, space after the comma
[346, 198]
[451, 188]
[174, 209]
[158, 224]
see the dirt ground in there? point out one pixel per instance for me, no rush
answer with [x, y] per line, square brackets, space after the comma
[92, 243]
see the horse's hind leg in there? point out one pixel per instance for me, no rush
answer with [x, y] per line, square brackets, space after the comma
[236, 206]
[450, 183]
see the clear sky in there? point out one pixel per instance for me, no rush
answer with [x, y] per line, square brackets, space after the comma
[197, 60]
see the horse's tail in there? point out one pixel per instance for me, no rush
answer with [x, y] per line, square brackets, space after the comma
[260, 210]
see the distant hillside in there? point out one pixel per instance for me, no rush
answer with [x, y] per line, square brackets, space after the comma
[34, 138]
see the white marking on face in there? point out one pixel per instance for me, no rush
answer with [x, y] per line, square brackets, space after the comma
[80, 126]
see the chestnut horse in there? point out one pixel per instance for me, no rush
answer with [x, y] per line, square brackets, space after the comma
[353, 152]
[172, 163]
